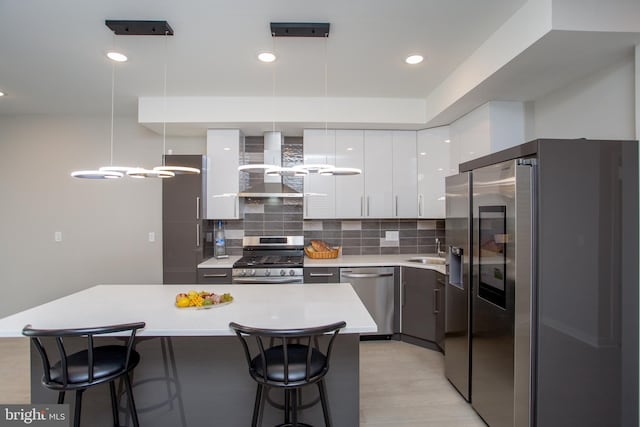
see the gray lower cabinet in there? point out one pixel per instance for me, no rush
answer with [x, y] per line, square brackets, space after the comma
[214, 276]
[182, 209]
[321, 275]
[423, 305]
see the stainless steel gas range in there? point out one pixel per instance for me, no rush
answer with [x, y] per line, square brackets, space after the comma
[270, 259]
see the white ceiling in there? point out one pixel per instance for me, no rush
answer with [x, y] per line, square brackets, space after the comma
[52, 52]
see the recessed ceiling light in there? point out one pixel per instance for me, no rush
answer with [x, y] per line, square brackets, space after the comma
[1, 93]
[414, 59]
[117, 56]
[267, 57]
[447, 141]
[423, 153]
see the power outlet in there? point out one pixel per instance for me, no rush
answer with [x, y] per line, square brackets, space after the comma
[57, 236]
[152, 236]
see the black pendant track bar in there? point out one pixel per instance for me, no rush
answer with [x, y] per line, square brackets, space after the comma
[139, 28]
[300, 29]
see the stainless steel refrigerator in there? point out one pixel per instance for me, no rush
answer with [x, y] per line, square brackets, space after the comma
[542, 295]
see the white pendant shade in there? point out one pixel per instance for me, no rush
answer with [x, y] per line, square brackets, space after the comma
[149, 173]
[178, 170]
[282, 171]
[340, 171]
[99, 174]
[313, 168]
[256, 168]
[121, 169]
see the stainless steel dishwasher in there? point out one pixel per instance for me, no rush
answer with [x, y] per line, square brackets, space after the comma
[376, 288]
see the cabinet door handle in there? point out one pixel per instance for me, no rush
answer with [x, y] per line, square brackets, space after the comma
[197, 235]
[320, 274]
[396, 205]
[368, 207]
[419, 204]
[210, 275]
[404, 294]
[436, 301]
[361, 205]
[198, 207]
[306, 205]
[235, 206]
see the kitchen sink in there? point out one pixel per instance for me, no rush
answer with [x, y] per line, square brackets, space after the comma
[428, 260]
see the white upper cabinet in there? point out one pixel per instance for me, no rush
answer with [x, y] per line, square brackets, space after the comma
[378, 174]
[405, 200]
[223, 182]
[350, 189]
[433, 167]
[319, 191]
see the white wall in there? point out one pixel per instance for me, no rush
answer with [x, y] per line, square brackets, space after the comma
[601, 106]
[104, 224]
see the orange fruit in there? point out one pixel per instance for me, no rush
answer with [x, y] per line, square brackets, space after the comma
[183, 302]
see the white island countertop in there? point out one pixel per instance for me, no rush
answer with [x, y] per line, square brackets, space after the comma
[263, 306]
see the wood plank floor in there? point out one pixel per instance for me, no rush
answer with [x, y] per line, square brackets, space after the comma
[403, 385]
[14, 371]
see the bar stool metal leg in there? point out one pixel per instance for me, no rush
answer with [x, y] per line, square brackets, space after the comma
[257, 406]
[325, 405]
[61, 398]
[78, 408]
[132, 404]
[114, 404]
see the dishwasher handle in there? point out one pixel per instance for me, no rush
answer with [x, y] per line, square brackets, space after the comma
[366, 275]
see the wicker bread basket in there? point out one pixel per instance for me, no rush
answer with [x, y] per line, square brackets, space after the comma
[312, 253]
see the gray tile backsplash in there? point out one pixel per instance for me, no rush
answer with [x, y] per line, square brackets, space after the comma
[284, 216]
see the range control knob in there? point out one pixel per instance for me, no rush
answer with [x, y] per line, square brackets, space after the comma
[243, 272]
[252, 272]
[282, 272]
[267, 273]
[291, 272]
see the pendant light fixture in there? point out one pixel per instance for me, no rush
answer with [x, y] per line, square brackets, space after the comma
[166, 171]
[331, 170]
[107, 172]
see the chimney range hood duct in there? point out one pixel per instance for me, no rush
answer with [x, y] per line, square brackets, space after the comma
[272, 185]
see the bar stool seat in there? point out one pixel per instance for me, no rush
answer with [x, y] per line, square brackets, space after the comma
[107, 361]
[88, 367]
[288, 359]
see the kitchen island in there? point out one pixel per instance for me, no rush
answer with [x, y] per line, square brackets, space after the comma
[193, 371]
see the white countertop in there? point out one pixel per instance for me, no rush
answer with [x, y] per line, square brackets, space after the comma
[265, 306]
[219, 263]
[344, 261]
[374, 261]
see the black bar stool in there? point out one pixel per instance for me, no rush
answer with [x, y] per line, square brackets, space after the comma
[292, 359]
[92, 366]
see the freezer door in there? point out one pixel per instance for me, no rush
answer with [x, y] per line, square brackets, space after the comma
[457, 288]
[502, 212]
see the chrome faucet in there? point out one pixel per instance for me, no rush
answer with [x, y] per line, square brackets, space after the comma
[438, 250]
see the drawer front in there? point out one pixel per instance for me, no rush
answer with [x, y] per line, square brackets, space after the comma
[214, 276]
[321, 275]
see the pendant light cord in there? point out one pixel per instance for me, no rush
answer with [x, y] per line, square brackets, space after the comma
[326, 99]
[164, 99]
[113, 84]
[273, 87]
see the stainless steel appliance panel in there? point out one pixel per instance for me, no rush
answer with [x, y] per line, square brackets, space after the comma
[376, 288]
[457, 289]
[492, 342]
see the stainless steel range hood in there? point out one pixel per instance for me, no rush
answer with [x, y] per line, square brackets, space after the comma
[272, 185]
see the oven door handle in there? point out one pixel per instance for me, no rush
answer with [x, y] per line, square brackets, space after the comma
[268, 281]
